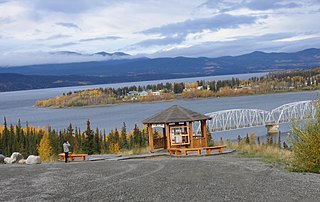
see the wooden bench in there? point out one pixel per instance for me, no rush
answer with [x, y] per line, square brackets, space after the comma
[210, 149]
[72, 156]
[175, 151]
[187, 150]
[179, 151]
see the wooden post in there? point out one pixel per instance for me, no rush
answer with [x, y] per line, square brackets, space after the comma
[191, 134]
[204, 132]
[168, 136]
[151, 144]
[164, 132]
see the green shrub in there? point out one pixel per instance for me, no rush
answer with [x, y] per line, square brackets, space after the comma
[305, 142]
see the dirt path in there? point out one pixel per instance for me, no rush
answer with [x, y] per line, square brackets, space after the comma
[214, 178]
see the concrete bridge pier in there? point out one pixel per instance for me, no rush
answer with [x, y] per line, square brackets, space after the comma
[272, 131]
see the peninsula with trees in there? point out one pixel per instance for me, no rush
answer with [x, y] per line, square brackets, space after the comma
[284, 81]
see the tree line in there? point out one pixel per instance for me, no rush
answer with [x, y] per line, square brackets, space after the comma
[30, 140]
[293, 80]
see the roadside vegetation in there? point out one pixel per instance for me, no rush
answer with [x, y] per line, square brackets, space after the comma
[302, 156]
[268, 152]
[293, 80]
[47, 142]
[305, 142]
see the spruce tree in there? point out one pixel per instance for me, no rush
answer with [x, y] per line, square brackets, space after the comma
[124, 141]
[5, 139]
[89, 139]
[97, 142]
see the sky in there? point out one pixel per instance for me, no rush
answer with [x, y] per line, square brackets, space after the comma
[36, 31]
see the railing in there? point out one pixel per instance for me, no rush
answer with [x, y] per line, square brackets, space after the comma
[159, 142]
[198, 141]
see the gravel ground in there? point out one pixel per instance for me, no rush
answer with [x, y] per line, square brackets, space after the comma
[212, 178]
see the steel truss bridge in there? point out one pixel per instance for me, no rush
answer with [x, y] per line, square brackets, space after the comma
[246, 118]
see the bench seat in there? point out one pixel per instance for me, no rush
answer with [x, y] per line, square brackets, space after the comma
[186, 151]
[210, 149]
[72, 156]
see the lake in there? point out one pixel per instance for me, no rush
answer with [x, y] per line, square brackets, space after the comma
[19, 105]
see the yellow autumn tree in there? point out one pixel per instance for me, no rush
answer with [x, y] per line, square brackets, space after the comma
[45, 150]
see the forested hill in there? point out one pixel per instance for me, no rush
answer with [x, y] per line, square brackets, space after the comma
[252, 62]
[14, 82]
[139, 69]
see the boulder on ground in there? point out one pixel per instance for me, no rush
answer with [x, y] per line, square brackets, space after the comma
[9, 160]
[22, 161]
[16, 156]
[2, 158]
[32, 159]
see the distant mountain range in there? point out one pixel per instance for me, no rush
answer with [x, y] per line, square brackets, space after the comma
[98, 53]
[134, 69]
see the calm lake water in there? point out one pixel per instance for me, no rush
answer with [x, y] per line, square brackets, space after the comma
[19, 105]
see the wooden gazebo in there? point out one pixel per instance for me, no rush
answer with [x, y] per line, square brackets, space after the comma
[177, 125]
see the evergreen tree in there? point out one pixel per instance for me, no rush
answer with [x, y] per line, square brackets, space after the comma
[136, 136]
[97, 142]
[247, 139]
[89, 142]
[124, 141]
[5, 139]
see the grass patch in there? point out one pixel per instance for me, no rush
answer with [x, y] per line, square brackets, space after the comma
[269, 153]
[135, 151]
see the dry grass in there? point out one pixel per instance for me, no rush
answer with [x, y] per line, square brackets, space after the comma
[135, 151]
[268, 153]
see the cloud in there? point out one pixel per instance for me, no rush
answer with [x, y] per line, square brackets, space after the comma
[197, 25]
[261, 5]
[159, 42]
[64, 45]
[6, 20]
[39, 57]
[270, 4]
[68, 25]
[243, 45]
[68, 7]
[57, 36]
[101, 38]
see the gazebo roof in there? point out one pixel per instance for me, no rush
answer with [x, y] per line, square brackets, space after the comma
[175, 114]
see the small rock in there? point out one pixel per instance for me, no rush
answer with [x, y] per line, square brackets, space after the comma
[9, 160]
[2, 158]
[22, 161]
[16, 156]
[32, 159]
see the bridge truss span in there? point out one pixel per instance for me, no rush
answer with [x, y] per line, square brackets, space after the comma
[293, 111]
[246, 118]
[236, 118]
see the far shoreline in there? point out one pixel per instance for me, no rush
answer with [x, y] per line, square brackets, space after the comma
[173, 100]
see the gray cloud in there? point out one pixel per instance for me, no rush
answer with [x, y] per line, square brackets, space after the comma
[224, 6]
[270, 4]
[197, 25]
[69, 7]
[57, 36]
[242, 45]
[64, 45]
[31, 58]
[101, 38]
[6, 20]
[68, 25]
[160, 42]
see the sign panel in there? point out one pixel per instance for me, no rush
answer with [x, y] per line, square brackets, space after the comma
[157, 125]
